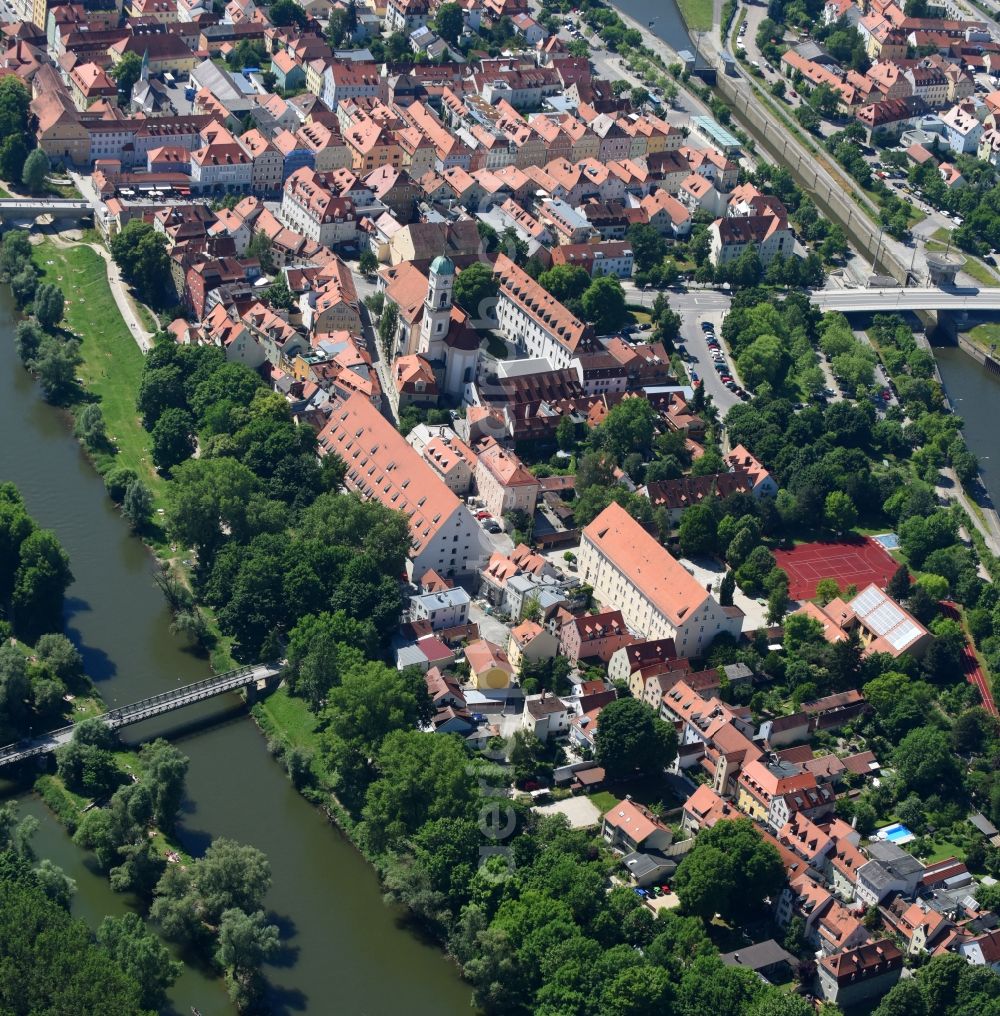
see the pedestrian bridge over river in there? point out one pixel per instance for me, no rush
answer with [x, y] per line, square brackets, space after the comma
[251, 678]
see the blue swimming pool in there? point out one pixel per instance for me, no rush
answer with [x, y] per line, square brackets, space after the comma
[896, 833]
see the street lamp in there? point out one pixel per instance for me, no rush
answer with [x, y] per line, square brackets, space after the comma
[878, 244]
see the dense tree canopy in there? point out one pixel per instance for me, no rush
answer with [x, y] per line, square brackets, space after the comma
[52, 964]
[730, 871]
[141, 254]
[34, 570]
[476, 290]
[631, 738]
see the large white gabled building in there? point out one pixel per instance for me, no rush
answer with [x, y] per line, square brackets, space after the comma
[534, 320]
[444, 537]
[631, 571]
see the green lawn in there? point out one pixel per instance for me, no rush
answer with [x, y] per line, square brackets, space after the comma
[941, 241]
[147, 318]
[973, 267]
[112, 362]
[62, 190]
[85, 706]
[289, 721]
[604, 800]
[986, 334]
[647, 790]
[292, 717]
[943, 849]
[697, 14]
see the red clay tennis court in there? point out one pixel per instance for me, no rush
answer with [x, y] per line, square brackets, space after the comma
[851, 562]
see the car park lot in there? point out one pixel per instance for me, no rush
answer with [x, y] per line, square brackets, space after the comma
[704, 353]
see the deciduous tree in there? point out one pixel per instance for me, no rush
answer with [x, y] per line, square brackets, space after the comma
[476, 291]
[448, 22]
[604, 304]
[141, 955]
[632, 739]
[55, 364]
[126, 73]
[35, 172]
[173, 438]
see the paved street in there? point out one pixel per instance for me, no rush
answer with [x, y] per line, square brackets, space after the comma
[694, 308]
[611, 67]
[911, 256]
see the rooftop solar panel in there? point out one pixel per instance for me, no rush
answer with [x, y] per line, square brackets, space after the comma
[867, 600]
[884, 618]
[901, 636]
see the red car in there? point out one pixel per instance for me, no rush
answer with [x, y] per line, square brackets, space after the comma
[483, 515]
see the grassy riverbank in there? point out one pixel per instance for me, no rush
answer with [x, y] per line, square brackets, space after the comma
[110, 374]
[291, 727]
[697, 14]
[112, 362]
[986, 335]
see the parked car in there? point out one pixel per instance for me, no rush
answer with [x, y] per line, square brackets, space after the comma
[491, 527]
[483, 514]
[707, 326]
[694, 375]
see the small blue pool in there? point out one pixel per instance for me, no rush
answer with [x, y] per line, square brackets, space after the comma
[888, 540]
[896, 833]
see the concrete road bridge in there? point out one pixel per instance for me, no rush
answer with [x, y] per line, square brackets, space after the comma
[252, 678]
[914, 298]
[58, 208]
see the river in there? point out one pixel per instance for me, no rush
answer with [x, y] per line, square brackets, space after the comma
[668, 24]
[343, 949]
[975, 396]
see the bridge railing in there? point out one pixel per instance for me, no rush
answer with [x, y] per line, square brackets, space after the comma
[238, 675]
[135, 712]
[196, 692]
[26, 749]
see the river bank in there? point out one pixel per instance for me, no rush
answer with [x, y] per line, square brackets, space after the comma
[336, 930]
[974, 394]
[666, 36]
